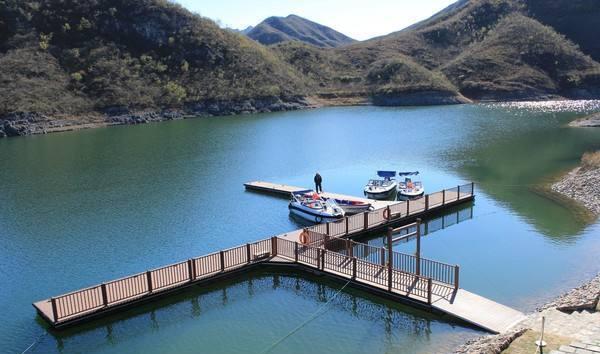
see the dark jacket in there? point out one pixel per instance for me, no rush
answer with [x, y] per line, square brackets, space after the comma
[318, 178]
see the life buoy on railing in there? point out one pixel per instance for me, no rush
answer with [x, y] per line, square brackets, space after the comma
[304, 237]
[386, 213]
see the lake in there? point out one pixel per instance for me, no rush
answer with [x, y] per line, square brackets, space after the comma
[79, 208]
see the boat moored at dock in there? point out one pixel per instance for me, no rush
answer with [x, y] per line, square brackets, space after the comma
[352, 207]
[309, 205]
[381, 189]
[409, 189]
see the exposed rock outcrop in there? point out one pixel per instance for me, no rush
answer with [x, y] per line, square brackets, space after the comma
[587, 122]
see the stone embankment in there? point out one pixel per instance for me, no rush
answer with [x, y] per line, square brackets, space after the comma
[25, 123]
[583, 183]
[586, 122]
[573, 315]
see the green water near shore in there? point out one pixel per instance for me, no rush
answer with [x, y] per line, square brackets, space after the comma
[84, 207]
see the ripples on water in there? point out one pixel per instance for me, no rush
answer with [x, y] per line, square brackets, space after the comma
[583, 106]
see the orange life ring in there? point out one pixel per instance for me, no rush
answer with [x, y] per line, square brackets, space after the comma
[304, 237]
[386, 213]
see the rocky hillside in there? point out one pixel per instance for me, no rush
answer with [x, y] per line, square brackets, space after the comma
[95, 62]
[114, 56]
[295, 28]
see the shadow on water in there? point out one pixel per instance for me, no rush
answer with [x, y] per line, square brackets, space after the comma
[195, 306]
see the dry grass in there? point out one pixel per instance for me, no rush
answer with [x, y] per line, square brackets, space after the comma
[590, 160]
[525, 344]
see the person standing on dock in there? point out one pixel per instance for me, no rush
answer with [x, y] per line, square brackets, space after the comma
[318, 180]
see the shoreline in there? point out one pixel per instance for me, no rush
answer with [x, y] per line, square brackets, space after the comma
[584, 298]
[582, 185]
[30, 123]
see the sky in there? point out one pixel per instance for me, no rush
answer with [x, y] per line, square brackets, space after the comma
[358, 19]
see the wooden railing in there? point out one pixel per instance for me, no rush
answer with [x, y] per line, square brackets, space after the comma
[154, 281]
[370, 219]
[371, 273]
[441, 272]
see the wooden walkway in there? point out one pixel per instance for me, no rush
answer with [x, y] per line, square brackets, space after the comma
[414, 279]
[386, 213]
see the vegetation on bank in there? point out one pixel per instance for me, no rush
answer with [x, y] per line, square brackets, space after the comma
[590, 160]
[115, 56]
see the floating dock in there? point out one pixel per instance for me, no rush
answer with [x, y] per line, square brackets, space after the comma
[409, 278]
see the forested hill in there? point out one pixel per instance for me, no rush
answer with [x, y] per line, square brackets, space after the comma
[65, 62]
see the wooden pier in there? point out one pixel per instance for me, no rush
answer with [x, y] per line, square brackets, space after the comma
[327, 250]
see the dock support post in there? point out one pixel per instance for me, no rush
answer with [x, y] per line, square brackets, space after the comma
[149, 280]
[366, 221]
[296, 252]
[248, 256]
[353, 268]
[104, 297]
[273, 246]
[390, 258]
[426, 202]
[456, 275]
[443, 196]
[472, 188]
[418, 251]
[458, 193]
[429, 291]
[318, 258]
[222, 260]
[54, 311]
[347, 222]
[191, 269]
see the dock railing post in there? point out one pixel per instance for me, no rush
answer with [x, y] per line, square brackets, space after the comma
[318, 258]
[54, 311]
[222, 260]
[323, 259]
[327, 228]
[389, 213]
[104, 296]
[366, 221]
[353, 267]
[472, 188]
[443, 196]
[407, 207]
[458, 193]
[418, 250]
[382, 255]
[429, 291]
[426, 202]
[347, 247]
[296, 252]
[149, 280]
[191, 269]
[273, 246]
[456, 275]
[248, 256]
[390, 258]
[347, 223]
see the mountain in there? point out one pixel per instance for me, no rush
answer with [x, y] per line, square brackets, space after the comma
[99, 62]
[295, 28]
[70, 57]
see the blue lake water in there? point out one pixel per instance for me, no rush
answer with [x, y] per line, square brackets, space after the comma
[84, 207]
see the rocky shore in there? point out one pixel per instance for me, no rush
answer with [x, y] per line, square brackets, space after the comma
[27, 123]
[582, 298]
[587, 122]
[583, 183]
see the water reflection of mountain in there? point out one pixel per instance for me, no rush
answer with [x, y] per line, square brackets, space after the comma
[514, 167]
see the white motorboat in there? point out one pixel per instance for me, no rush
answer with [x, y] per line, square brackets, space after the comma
[409, 189]
[352, 207]
[381, 189]
[311, 206]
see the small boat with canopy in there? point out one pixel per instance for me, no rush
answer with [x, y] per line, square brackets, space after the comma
[309, 205]
[382, 188]
[409, 188]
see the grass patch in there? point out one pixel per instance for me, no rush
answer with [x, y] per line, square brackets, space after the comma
[525, 344]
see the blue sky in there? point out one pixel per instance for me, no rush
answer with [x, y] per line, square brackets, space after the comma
[356, 18]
